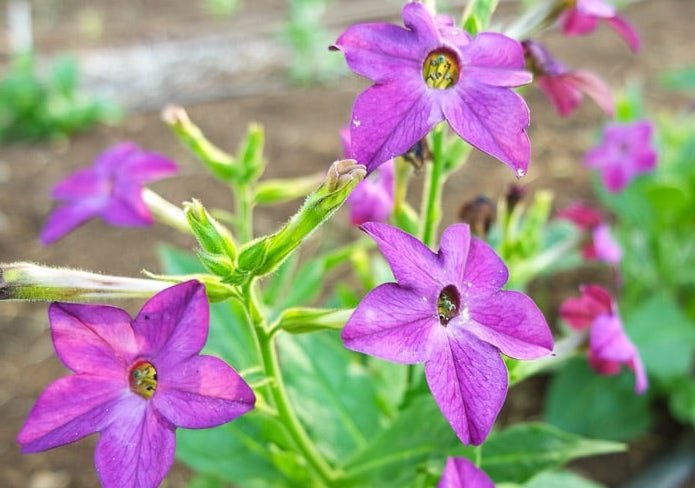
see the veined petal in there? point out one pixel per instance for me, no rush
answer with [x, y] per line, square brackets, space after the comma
[454, 247]
[68, 217]
[418, 19]
[201, 392]
[413, 264]
[81, 184]
[137, 449]
[69, 409]
[495, 59]
[459, 472]
[493, 119]
[94, 339]
[510, 321]
[126, 207]
[395, 324]
[145, 167]
[111, 160]
[626, 31]
[173, 324]
[389, 119]
[468, 380]
[485, 271]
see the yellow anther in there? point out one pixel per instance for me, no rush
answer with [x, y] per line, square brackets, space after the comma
[441, 69]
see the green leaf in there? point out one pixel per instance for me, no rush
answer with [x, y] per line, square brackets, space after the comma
[476, 16]
[664, 336]
[560, 479]
[579, 400]
[518, 453]
[206, 481]
[682, 399]
[332, 392]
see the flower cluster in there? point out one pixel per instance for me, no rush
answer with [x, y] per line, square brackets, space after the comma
[583, 16]
[609, 346]
[447, 310]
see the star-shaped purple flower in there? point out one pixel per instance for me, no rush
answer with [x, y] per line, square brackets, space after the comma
[447, 310]
[609, 346]
[603, 246]
[135, 382]
[459, 472]
[110, 189]
[431, 71]
[372, 199]
[582, 17]
[562, 86]
[625, 151]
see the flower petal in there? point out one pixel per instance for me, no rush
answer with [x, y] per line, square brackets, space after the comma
[201, 392]
[595, 8]
[493, 119]
[581, 311]
[495, 59]
[173, 325]
[137, 449]
[626, 31]
[395, 324]
[126, 207]
[605, 246]
[510, 321]
[413, 264]
[459, 472]
[575, 23]
[111, 160]
[389, 119]
[454, 247]
[595, 88]
[468, 380]
[145, 167]
[68, 217]
[81, 184]
[94, 339]
[69, 409]
[485, 271]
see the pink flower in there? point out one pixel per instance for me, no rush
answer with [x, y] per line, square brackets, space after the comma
[603, 246]
[582, 17]
[609, 346]
[459, 472]
[135, 382]
[626, 150]
[564, 87]
[429, 72]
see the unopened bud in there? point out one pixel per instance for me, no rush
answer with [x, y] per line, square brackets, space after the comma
[479, 213]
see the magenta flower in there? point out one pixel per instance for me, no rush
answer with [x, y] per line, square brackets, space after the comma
[626, 150]
[110, 189]
[582, 17]
[447, 310]
[562, 86]
[609, 346]
[603, 246]
[431, 71]
[459, 472]
[135, 382]
[372, 199]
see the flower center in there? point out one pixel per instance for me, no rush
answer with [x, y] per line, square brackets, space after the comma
[143, 379]
[448, 304]
[441, 69]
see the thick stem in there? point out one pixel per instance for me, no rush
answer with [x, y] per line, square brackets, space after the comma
[243, 197]
[431, 207]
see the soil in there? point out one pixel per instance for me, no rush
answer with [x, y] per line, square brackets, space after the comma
[301, 132]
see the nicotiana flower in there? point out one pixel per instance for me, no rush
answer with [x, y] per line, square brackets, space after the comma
[111, 189]
[431, 71]
[459, 472]
[372, 199]
[609, 346]
[626, 150]
[603, 246]
[582, 17]
[562, 86]
[134, 382]
[447, 310]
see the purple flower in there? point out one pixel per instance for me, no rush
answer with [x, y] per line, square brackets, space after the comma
[582, 17]
[135, 382]
[431, 71]
[110, 189]
[562, 86]
[459, 472]
[609, 346]
[603, 246]
[372, 199]
[625, 151]
[447, 310]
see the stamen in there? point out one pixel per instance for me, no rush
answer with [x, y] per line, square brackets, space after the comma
[143, 379]
[448, 304]
[441, 69]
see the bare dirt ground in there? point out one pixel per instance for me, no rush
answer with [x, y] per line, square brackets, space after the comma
[301, 126]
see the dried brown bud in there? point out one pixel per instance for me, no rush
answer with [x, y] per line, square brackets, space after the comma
[479, 213]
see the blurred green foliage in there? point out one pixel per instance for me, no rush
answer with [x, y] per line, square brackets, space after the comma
[34, 107]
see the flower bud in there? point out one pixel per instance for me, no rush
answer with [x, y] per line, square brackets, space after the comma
[271, 192]
[212, 236]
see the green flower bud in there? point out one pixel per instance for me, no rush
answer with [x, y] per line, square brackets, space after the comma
[213, 237]
[271, 192]
[301, 320]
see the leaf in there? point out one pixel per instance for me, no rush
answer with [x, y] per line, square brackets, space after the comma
[664, 336]
[518, 453]
[476, 17]
[560, 479]
[581, 401]
[331, 391]
[682, 399]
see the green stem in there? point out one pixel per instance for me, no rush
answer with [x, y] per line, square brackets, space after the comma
[243, 206]
[283, 406]
[431, 207]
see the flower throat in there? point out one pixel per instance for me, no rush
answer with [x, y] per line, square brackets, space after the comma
[441, 69]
